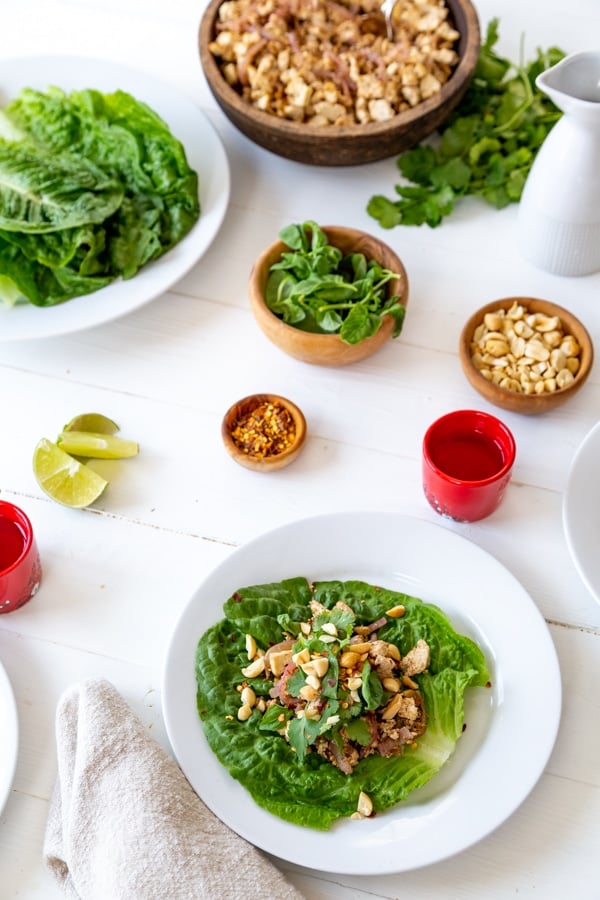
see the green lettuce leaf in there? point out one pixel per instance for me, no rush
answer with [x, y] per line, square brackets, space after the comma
[92, 187]
[304, 788]
[124, 138]
[42, 285]
[41, 192]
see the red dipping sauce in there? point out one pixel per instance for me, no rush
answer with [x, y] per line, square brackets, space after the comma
[467, 460]
[20, 567]
[469, 457]
[12, 543]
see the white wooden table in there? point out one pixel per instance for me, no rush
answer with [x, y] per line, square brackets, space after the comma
[117, 575]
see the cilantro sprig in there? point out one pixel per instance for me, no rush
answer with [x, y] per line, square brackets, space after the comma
[487, 147]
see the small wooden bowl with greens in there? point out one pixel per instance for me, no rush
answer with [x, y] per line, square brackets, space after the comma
[328, 295]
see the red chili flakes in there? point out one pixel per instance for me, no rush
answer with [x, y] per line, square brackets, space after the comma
[266, 430]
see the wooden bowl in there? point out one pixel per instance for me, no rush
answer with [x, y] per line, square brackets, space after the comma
[345, 145]
[261, 463]
[512, 400]
[326, 349]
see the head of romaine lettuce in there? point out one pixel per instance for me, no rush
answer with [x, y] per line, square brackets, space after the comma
[314, 793]
[92, 187]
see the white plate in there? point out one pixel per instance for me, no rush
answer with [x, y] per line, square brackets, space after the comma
[581, 511]
[511, 728]
[9, 736]
[205, 155]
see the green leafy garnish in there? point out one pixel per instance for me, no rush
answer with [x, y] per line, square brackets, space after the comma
[372, 689]
[341, 619]
[487, 147]
[316, 288]
[92, 187]
[358, 730]
[272, 753]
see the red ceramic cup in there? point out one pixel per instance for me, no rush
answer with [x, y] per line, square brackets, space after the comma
[467, 461]
[20, 569]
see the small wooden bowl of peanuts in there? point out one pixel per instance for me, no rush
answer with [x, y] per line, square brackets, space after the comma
[525, 355]
[264, 432]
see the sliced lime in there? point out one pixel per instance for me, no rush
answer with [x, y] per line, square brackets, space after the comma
[94, 422]
[97, 446]
[65, 479]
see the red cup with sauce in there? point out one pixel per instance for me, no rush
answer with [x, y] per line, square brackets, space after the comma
[467, 462]
[20, 568]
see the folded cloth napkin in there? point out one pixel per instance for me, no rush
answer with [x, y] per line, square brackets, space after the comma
[124, 824]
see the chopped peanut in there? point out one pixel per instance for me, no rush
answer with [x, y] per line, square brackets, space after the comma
[331, 63]
[528, 353]
[365, 804]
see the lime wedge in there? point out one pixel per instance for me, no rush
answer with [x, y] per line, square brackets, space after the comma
[98, 446]
[65, 479]
[95, 422]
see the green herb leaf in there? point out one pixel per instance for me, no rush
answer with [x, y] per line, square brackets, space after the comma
[359, 324]
[317, 288]
[385, 211]
[329, 684]
[301, 733]
[274, 718]
[372, 688]
[358, 730]
[485, 149]
[456, 173]
[288, 625]
[296, 682]
[343, 619]
[314, 793]
[331, 708]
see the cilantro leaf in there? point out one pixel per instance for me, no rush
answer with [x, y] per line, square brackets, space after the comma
[343, 619]
[416, 165]
[485, 149]
[295, 683]
[301, 733]
[359, 731]
[274, 718]
[385, 211]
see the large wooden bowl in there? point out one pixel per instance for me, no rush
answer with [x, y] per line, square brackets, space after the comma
[527, 404]
[352, 144]
[326, 349]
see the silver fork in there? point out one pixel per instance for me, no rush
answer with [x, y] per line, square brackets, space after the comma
[387, 8]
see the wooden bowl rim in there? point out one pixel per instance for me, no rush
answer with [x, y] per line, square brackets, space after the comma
[263, 462]
[511, 400]
[469, 46]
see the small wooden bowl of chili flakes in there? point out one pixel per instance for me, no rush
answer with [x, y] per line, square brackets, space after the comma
[264, 432]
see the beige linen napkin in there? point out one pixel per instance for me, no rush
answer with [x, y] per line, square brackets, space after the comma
[124, 824]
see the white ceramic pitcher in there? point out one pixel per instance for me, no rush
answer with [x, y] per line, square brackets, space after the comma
[559, 212]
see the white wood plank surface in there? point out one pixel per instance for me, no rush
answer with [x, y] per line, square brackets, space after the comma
[117, 575]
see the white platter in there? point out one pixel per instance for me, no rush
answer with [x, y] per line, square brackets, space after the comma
[205, 154]
[511, 728]
[581, 511]
[9, 736]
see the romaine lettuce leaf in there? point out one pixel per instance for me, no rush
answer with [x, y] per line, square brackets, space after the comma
[124, 138]
[92, 187]
[42, 285]
[82, 247]
[41, 191]
[315, 793]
